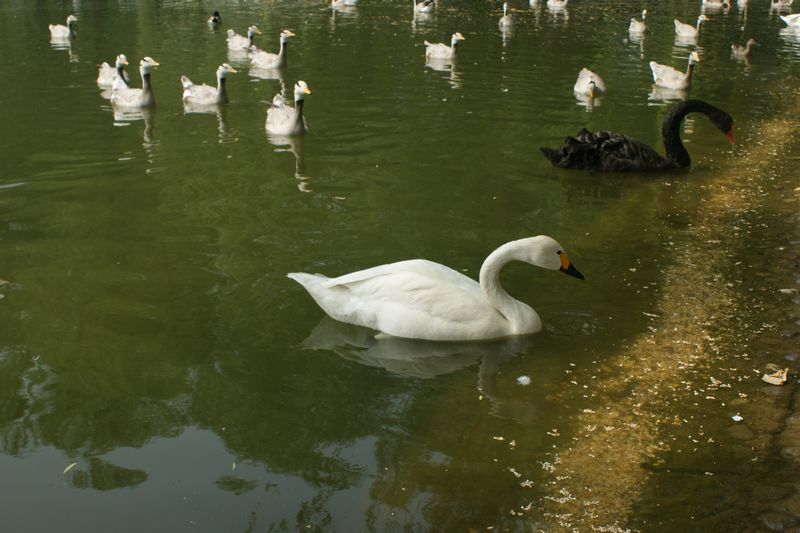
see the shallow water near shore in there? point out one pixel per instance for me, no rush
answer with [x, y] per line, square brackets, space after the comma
[158, 370]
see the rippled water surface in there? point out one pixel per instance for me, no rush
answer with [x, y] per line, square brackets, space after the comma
[159, 371]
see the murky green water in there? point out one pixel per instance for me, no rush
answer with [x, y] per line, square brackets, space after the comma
[148, 332]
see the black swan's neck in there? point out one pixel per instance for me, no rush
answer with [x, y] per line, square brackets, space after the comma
[222, 94]
[671, 129]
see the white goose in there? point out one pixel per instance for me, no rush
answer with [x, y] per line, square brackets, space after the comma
[265, 60]
[239, 42]
[421, 299]
[283, 119]
[687, 30]
[59, 31]
[557, 4]
[743, 52]
[137, 98]
[205, 94]
[791, 20]
[441, 50]
[589, 84]
[106, 73]
[670, 78]
[343, 3]
[506, 21]
[639, 26]
[425, 6]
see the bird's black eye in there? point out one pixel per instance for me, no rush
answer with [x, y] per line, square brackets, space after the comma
[559, 252]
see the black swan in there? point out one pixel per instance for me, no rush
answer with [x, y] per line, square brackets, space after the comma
[606, 151]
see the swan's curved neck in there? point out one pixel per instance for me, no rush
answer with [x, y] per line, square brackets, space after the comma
[222, 94]
[148, 98]
[298, 114]
[513, 310]
[676, 153]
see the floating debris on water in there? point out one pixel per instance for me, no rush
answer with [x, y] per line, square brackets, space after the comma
[778, 377]
[69, 467]
[737, 417]
[524, 380]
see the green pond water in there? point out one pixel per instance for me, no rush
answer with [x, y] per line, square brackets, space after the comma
[158, 371]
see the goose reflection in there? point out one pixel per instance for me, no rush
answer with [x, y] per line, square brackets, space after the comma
[589, 102]
[294, 145]
[455, 79]
[663, 94]
[220, 111]
[65, 43]
[428, 359]
[125, 116]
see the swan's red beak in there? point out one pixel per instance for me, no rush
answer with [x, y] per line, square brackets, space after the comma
[730, 137]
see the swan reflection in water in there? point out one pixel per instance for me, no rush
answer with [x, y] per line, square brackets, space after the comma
[224, 133]
[589, 102]
[293, 144]
[125, 116]
[64, 43]
[429, 359]
[662, 94]
[455, 79]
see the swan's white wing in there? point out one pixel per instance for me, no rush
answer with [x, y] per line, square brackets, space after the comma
[440, 50]
[684, 29]
[236, 41]
[664, 74]
[263, 59]
[105, 76]
[127, 98]
[200, 94]
[59, 30]
[414, 298]
[281, 119]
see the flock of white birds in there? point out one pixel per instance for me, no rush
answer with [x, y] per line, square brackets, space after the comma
[417, 298]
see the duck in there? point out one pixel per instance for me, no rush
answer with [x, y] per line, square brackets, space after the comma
[666, 76]
[791, 20]
[506, 21]
[638, 26]
[441, 50]
[137, 98]
[687, 30]
[205, 94]
[421, 299]
[59, 31]
[106, 73]
[283, 119]
[239, 42]
[425, 6]
[743, 52]
[265, 60]
[589, 84]
[606, 151]
[215, 19]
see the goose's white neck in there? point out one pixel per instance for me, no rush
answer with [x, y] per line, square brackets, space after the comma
[521, 317]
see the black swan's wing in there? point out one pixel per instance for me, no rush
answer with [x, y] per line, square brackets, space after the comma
[605, 151]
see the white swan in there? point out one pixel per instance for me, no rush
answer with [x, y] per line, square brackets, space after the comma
[425, 6]
[506, 21]
[238, 42]
[59, 31]
[791, 20]
[441, 50]
[639, 26]
[283, 119]
[670, 78]
[205, 94]
[137, 98]
[687, 30]
[106, 73]
[589, 84]
[421, 299]
[742, 52]
[265, 60]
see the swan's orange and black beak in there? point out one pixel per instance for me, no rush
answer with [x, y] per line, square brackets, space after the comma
[567, 267]
[729, 135]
